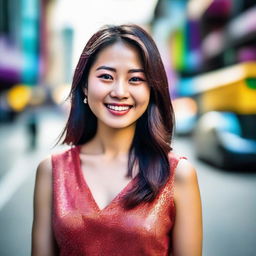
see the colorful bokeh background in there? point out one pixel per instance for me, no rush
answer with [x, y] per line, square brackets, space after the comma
[209, 51]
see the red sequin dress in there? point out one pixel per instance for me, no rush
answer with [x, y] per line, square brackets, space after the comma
[82, 228]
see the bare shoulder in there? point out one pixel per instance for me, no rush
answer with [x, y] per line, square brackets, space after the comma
[45, 167]
[44, 172]
[185, 173]
[43, 242]
[188, 231]
[43, 189]
[186, 187]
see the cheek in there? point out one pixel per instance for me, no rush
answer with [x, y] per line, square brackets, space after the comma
[95, 91]
[144, 95]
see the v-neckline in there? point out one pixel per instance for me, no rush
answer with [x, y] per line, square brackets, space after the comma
[87, 188]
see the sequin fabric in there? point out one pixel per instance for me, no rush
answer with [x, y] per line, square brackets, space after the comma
[81, 228]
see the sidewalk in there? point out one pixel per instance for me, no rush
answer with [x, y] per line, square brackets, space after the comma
[17, 176]
[17, 156]
[14, 140]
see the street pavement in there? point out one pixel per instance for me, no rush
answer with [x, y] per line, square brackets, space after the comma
[228, 198]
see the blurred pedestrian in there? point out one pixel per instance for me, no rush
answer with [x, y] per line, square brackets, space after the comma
[32, 128]
[119, 189]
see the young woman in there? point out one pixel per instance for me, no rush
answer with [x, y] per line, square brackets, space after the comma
[119, 189]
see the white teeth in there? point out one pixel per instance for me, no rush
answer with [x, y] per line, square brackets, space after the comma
[118, 108]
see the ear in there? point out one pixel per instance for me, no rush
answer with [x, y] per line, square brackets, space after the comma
[85, 91]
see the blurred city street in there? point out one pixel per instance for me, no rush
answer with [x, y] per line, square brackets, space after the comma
[208, 50]
[229, 205]
[18, 166]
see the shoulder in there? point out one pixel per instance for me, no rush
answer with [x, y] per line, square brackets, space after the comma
[43, 187]
[182, 169]
[42, 238]
[186, 188]
[61, 157]
[187, 232]
[46, 165]
[185, 172]
[44, 171]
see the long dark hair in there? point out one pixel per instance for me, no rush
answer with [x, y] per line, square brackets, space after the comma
[153, 134]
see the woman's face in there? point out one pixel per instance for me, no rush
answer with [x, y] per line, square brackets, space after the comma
[118, 93]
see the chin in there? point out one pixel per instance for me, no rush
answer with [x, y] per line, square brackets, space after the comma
[119, 125]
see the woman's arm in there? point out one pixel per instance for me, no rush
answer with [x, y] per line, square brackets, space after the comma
[43, 243]
[188, 231]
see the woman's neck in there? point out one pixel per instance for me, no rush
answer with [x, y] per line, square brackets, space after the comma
[110, 142]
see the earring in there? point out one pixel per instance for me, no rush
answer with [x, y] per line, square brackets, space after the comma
[85, 100]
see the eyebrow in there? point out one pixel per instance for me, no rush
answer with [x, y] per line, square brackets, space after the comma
[134, 70]
[107, 68]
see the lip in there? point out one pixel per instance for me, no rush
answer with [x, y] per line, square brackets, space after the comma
[119, 112]
[119, 104]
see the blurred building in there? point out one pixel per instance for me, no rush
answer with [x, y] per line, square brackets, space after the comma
[210, 56]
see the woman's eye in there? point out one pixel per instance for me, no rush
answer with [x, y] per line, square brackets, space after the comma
[106, 76]
[136, 79]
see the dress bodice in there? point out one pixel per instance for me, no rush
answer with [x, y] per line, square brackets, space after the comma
[82, 228]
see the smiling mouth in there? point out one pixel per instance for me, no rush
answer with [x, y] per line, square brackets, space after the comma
[119, 107]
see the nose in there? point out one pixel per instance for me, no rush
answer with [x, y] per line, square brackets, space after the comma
[120, 90]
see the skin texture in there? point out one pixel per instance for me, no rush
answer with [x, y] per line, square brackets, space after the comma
[115, 78]
[188, 231]
[43, 242]
[110, 148]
